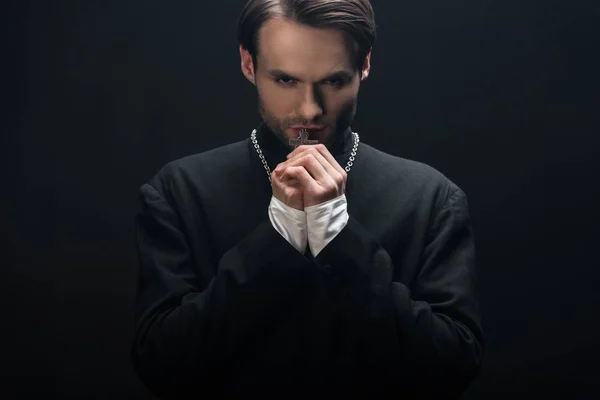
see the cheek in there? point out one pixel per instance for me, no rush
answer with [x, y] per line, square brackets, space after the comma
[277, 101]
[341, 100]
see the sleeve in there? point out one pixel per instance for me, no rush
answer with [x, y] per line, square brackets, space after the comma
[325, 221]
[427, 338]
[187, 329]
[290, 223]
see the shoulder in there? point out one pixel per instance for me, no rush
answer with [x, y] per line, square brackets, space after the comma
[413, 177]
[199, 168]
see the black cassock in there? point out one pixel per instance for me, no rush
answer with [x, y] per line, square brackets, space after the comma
[227, 308]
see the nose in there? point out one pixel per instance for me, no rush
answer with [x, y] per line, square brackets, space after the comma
[310, 106]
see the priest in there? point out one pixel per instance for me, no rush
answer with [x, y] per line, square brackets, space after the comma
[301, 262]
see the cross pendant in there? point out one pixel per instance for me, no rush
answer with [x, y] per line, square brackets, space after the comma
[302, 139]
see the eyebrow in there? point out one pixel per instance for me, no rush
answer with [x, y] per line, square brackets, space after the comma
[277, 73]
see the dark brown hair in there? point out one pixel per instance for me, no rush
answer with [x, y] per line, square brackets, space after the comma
[355, 17]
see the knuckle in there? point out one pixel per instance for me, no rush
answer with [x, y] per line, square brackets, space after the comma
[323, 190]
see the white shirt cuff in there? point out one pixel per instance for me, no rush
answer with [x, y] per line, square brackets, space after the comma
[290, 223]
[325, 221]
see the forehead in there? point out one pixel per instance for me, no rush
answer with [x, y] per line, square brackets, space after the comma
[297, 48]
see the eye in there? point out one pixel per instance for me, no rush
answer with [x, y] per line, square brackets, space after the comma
[336, 82]
[285, 81]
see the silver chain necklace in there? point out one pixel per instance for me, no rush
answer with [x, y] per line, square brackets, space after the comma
[264, 161]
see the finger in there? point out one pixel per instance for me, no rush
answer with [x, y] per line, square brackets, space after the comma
[333, 172]
[321, 148]
[313, 167]
[289, 181]
[301, 149]
[295, 156]
[279, 177]
[298, 150]
[282, 166]
[329, 157]
[301, 174]
[287, 162]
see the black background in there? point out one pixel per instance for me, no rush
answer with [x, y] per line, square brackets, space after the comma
[501, 96]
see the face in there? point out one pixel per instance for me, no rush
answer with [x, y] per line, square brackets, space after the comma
[305, 78]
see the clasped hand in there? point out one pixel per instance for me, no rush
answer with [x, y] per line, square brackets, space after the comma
[308, 177]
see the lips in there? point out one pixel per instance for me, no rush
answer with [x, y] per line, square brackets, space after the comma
[315, 133]
[311, 131]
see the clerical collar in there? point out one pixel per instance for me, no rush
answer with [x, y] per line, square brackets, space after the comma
[272, 145]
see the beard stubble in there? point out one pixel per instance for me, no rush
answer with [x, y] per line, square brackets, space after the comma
[278, 126]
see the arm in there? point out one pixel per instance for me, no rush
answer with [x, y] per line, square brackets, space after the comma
[428, 337]
[187, 329]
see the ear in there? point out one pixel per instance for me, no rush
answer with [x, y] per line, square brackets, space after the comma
[247, 65]
[366, 69]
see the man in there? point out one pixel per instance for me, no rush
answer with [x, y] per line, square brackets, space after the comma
[330, 269]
